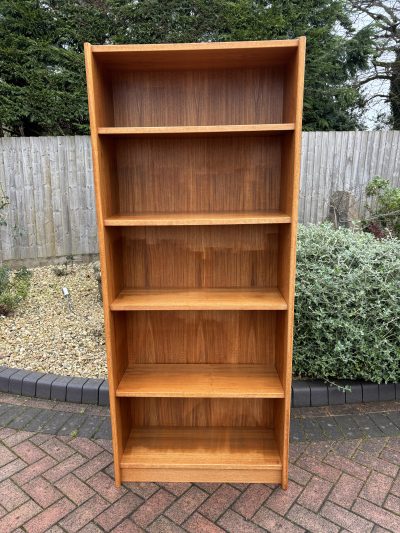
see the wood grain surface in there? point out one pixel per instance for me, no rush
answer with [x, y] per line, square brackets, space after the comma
[197, 175]
[201, 447]
[274, 216]
[199, 337]
[238, 256]
[202, 412]
[200, 381]
[201, 299]
[201, 97]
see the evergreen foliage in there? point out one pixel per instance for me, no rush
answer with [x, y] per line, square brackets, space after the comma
[42, 80]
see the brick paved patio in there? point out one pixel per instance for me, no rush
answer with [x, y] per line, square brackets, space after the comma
[53, 480]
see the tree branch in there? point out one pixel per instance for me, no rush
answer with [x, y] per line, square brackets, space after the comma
[374, 96]
[372, 78]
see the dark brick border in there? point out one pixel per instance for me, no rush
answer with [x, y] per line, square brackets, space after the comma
[54, 387]
[318, 393]
[95, 391]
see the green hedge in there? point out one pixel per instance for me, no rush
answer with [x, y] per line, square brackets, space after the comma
[347, 313]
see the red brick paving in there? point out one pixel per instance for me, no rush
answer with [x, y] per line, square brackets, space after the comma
[153, 507]
[271, 521]
[376, 488]
[64, 484]
[77, 491]
[49, 517]
[392, 503]
[114, 514]
[315, 494]
[311, 521]
[11, 496]
[346, 490]
[186, 505]
[251, 499]
[219, 501]
[346, 519]
[376, 514]
[42, 492]
[197, 523]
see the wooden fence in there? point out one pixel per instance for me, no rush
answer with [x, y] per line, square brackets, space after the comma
[50, 187]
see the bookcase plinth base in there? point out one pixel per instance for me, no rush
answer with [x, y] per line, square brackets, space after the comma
[166, 475]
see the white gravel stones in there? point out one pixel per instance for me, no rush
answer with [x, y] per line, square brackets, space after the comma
[43, 335]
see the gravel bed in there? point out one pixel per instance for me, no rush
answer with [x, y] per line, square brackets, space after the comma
[45, 335]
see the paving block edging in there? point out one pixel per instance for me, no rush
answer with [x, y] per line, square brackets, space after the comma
[312, 393]
[316, 393]
[54, 387]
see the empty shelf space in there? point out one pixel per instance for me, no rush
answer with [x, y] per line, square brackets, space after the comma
[158, 57]
[199, 299]
[230, 129]
[200, 381]
[199, 453]
[199, 219]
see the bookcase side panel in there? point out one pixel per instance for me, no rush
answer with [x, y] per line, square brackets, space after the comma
[287, 258]
[99, 114]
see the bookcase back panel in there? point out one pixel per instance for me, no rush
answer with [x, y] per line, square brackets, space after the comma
[200, 257]
[201, 337]
[198, 97]
[204, 412]
[207, 174]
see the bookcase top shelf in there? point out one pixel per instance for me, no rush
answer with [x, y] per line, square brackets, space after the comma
[192, 47]
[201, 55]
[199, 219]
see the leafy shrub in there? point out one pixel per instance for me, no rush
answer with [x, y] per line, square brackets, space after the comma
[13, 288]
[347, 312]
[384, 211]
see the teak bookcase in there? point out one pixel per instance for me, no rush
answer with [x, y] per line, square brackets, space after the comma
[196, 154]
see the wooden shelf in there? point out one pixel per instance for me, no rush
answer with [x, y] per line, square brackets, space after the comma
[200, 381]
[203, 56]
[201, 454]
[199, 299]
[198, 219]
[229, 129]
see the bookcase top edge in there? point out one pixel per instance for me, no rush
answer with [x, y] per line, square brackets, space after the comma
[171, 47]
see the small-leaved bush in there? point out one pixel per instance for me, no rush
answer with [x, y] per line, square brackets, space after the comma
[14, 288]
[347, 312]
[383, 208]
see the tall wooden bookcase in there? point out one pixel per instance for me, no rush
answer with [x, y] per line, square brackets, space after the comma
[196, 153]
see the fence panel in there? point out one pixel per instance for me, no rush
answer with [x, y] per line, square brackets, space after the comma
[50, 187]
